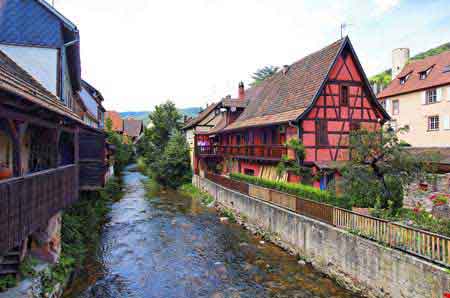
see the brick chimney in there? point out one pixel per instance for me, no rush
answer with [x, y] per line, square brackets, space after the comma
[241, 90]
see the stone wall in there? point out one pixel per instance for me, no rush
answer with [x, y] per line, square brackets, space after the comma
[357, 263]
[419, 194]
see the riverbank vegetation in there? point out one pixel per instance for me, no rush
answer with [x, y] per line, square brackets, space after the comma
[190, 190]
[81, 227]
[123, 153]
[164, 150]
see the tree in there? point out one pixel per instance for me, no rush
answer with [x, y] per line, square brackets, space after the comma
[123, 150]
[379, 169]
[173, 168]
[165, 119]
[296, 166]
[263, 73]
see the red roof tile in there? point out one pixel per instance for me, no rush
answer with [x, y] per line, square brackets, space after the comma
[437, 76]
[284, 97]
[117, 122]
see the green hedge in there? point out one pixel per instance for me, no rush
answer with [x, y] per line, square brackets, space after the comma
[297, 189]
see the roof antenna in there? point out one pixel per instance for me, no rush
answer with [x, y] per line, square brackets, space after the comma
[343, 28]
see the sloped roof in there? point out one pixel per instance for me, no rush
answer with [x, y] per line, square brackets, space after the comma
[202, 115]
[234, 102]
[15, 79]
[132, 127]
[437, 76]
[117, 122]
[285, 96]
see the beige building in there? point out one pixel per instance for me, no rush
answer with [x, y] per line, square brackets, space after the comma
[419, 98]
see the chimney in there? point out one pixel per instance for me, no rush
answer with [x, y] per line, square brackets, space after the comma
[399, 59]
[285, 69]
[241, 91]
[228, 96]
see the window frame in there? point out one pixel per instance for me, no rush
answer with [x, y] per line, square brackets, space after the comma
[322, 132]
[344, 97]
[431, 94]
[395, 111]
[436, 123]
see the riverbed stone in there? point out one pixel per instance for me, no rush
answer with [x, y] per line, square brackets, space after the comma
[46, 244]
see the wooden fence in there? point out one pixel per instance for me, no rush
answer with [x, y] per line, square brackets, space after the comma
[28, 202]
[424, 244]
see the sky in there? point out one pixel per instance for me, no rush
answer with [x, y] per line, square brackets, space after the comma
[140, 53]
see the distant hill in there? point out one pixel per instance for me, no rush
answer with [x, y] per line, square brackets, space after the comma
[385, 77]
[143, 115]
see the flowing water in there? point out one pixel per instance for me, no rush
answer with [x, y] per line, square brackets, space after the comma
[170, 246]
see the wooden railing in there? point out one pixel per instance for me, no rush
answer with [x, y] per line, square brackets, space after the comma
[275, 152]
[28, 202]
[424, 244]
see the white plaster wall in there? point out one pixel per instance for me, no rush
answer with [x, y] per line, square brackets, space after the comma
[41, 63]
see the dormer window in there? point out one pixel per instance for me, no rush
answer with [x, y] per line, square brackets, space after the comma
[446, 69]
[404, 79]
[424, 74]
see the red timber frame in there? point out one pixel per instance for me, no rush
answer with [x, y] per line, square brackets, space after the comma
[345, 103]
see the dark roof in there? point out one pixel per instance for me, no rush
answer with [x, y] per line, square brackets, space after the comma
[132, 127]
[437, 76]
[202, 115]
[285, 96]
[16, 80]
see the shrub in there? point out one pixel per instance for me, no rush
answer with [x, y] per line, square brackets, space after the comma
[300, 190]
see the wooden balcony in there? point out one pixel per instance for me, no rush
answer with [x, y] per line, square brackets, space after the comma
[264, 152]
[28, 202]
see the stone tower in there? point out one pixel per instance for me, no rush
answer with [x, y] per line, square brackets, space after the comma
[399, 59]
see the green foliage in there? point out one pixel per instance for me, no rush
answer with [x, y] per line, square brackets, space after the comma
[27, 267]
[123, 149]
[382, 79]
[190, 190]
[300, 190]
[379, 169]
[263, 73]
[7, 282]
[164, 149]
[141, 164]
[173, 168]
[433, 52]
[296, 167]
[225, 212]
[165, 119]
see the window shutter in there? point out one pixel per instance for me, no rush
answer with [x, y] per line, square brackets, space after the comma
[388, 106]
[424, 97]
[447, 122]
[439, 94]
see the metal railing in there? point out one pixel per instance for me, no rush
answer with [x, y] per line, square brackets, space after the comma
[28, 202]
[421, 243]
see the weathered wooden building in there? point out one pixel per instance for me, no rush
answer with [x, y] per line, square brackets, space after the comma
[318, 100]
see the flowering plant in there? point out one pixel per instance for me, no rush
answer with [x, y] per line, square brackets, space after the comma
[439, 199]
[418, 208]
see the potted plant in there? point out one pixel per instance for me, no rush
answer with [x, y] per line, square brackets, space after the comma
[5, 171]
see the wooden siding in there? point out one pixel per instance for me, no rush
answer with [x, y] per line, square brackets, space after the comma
[28, 202]
[92, 160]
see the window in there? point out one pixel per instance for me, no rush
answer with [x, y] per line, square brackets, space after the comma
[433, 123]
[249, 172]
[431, 96]
[322, 132]
[404, 79]
[446, 69]
[344, 96]
[393, 125]
[238, 139]
[264, 138]
[395, 107]
[423, 75]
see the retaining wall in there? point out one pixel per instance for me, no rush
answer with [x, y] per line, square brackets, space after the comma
[358, 263]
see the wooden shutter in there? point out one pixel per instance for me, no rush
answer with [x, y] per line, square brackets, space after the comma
[439, 94]
[388, 106]
[447, 122]
[322, 132]
[424, 97]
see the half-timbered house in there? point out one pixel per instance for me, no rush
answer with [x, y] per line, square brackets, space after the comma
[319, 100]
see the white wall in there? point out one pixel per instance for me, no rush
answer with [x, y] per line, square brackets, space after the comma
[41, 63]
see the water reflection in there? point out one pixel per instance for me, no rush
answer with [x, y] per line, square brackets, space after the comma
[171, 246]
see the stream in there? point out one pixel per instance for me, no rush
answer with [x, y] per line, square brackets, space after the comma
[171, 246]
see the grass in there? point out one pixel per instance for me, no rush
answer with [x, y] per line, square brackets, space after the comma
[190, 190]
